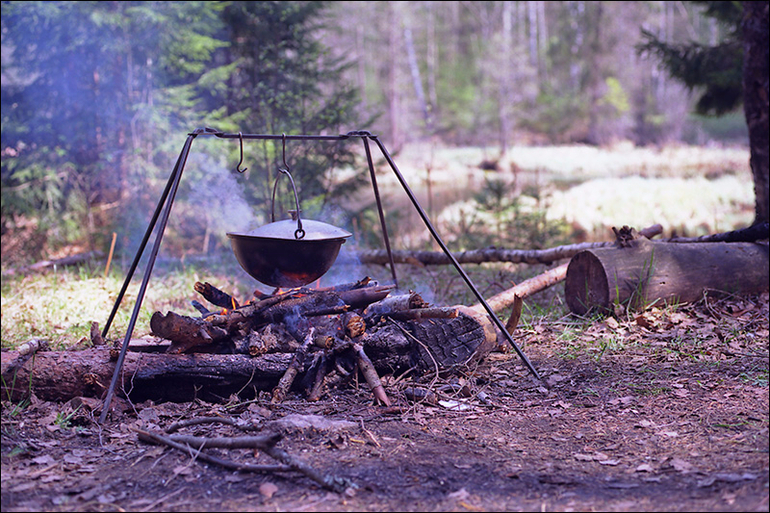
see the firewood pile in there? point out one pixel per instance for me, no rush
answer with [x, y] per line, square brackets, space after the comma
[334, 334]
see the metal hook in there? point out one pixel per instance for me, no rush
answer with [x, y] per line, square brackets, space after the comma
[238, 167]
[285, 165]
[299, 233]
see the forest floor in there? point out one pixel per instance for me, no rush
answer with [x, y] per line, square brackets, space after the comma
[666, 410]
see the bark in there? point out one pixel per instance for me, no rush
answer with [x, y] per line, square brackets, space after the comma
[642, 272]
[62, 375]
[756, 99]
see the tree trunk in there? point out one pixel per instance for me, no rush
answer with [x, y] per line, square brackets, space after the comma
[645, 272]
[414, 69]
[756, 99]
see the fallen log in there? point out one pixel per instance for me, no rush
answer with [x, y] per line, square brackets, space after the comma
[524, 289]
[62, 375]
[641, 272]
[44, 265]
[392, 347]
[474, 256]
[480, 256]
[753, 233]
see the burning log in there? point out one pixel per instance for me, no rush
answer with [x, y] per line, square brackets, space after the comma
[330, 338]
[353, 324]
[188, 332]
[215, 296]
[271, 339]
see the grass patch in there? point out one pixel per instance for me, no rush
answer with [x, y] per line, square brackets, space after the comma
[59, 306]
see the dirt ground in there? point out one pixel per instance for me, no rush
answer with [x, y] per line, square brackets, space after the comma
[663, 411]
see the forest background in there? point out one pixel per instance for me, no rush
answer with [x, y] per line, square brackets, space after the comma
[97, 98]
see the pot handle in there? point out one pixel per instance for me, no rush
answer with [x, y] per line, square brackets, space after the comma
[299, 233]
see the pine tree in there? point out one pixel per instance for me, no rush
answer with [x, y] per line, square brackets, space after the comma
[715, 71]
[281, 79]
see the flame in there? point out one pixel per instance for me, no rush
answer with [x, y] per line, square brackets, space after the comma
[234, 304]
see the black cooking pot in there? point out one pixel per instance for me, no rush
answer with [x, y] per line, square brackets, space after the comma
[289, 253]
[281, 254]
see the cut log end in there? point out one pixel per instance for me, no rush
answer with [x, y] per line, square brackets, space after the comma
[645, 273]
[586, 285]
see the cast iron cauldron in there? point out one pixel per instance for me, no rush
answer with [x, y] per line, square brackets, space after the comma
[276, 255]
[289, 253]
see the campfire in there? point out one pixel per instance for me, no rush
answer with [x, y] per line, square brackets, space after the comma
[332, 331]
[334, 334]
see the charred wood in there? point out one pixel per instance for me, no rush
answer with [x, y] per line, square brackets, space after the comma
[215, 296]
[296, 365]
[185, 333]
[391, 346]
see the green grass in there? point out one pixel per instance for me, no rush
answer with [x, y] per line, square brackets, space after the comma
[759, 378]
[59, 306]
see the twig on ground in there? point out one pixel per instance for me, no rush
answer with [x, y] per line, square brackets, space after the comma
[265, 443]
[173, 441]
[176, 426]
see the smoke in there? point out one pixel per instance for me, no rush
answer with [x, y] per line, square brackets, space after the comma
[218, 195]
